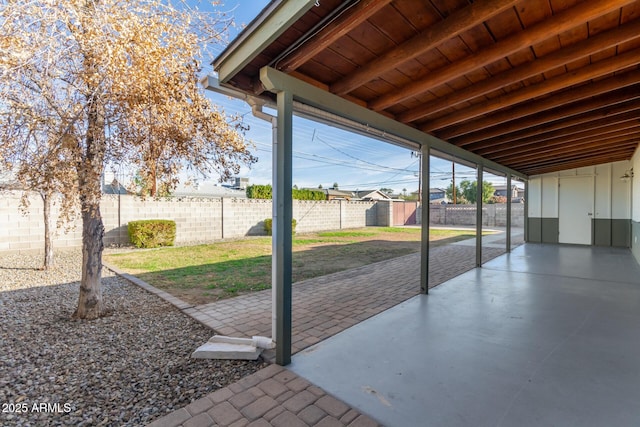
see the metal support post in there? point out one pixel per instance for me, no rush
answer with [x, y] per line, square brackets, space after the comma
[281, 232]
[509, 194]
[526, 211]
[425, 219]
[479, 216]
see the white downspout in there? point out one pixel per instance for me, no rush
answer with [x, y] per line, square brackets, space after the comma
[256, 110]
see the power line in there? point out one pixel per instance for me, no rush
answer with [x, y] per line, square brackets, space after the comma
[354, 157]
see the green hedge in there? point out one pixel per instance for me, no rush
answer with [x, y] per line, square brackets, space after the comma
[259, 191]
[268, 226]
[152, 233]
[266, 192]
[308, 195]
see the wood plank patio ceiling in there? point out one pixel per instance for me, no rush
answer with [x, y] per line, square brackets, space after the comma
[535, 85]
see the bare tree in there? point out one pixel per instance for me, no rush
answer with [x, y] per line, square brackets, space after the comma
[96, 82]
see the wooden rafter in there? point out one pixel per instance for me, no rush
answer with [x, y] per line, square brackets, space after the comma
[598, 69]
[553, 60]
[607, 145]
[560, 164]
[600, 127]
[359, 13]
[428, 39]
[580, 112]
[537, 85]
[616, 131]
[559, 23]
[568, 96]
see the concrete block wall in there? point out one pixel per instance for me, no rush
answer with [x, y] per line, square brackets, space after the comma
[19, 232]
[197, 220]
[384, 213]
[313, 215]
[358, 214]
[492, 215]
[244, 217]
[208, 220]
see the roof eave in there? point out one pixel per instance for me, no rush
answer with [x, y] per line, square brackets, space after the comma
[274, 20]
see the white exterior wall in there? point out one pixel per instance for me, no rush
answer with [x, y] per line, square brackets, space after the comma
[612, 195]
[635, 199]
[549, 196]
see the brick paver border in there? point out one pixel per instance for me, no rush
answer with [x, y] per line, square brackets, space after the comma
[273, 396]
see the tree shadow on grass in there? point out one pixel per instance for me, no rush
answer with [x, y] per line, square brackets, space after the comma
[206, 283]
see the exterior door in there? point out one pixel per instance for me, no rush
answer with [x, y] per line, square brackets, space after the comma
[575, 210]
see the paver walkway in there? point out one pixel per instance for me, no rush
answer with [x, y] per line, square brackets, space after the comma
[273, 396]
[326, 305]
[322, 307]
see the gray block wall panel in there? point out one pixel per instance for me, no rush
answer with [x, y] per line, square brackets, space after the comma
[601, 232]
[621, 233]
[635, 240]
[550, 229]
[534, 230]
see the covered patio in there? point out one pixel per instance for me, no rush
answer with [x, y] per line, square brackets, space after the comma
[541, 91]
[546, 335]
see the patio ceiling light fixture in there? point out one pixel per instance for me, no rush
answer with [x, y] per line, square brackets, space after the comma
[628, 174]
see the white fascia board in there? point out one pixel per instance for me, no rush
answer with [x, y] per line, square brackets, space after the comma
[274, 21]
[276, 81]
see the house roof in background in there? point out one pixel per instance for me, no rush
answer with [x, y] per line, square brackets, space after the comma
[207, 189]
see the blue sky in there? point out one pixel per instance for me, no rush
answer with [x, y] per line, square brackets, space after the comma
[324, 155]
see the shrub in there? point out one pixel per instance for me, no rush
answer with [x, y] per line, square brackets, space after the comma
[308, 194]
[268, 226]
[152, 233]
[266, 192]
[259, 191]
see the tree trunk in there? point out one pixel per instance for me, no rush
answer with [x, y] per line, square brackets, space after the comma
[90, 305]
[48, 241]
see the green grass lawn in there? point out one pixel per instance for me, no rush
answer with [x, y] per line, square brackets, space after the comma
[206, 273]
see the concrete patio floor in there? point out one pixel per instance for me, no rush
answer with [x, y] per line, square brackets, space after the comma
[547, 335]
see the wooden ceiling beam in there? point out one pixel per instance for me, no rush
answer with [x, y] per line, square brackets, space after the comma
[623, 130]
[563, 166]
[560, 165]
[558, 118]
[598, 126]
[558, 153]
[537, 33]
[553, 60]
[572, 95]
[324, 38]
[582, 75]
[428, 39]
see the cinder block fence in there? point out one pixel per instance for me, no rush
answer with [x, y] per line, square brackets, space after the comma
[200, 220]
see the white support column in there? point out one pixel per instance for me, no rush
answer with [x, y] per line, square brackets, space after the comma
[424, 238]
[508, 212]
[479, 215]
[281, 232]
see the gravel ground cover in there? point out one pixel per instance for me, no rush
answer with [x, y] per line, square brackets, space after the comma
[127, 368]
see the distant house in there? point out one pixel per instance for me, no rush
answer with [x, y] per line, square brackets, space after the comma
[438, 196]
[114, 187]
[370, 195]
[241, 183]
[208, 189]
[517, 193]
[337, 194]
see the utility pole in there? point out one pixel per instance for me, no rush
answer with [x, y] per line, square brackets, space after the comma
[453, 175]
[419, 156]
